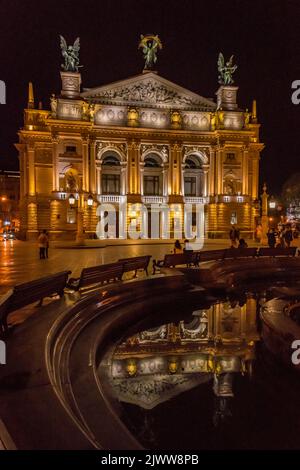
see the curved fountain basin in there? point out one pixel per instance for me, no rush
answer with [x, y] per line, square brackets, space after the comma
[75, 346]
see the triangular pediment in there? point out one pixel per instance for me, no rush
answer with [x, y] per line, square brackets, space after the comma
[148, 90]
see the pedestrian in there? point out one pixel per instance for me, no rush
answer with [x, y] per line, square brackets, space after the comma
[234, 236]
[177, 247]
[288, 236]
[242, 243]
[43, 242]
[271, 238]
[47, 247]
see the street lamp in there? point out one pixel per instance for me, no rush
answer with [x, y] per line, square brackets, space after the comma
[90, 200]
[71, 199]
[272, 203]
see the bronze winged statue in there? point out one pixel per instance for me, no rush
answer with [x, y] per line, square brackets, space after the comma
[70, 55]
[226, 70]
[150, 45]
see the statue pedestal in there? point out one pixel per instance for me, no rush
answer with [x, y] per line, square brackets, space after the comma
[71, 82]
[226, 97]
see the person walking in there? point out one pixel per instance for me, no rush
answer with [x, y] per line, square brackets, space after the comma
[43, 242]
[234, 236]
[288, 236]
[271, 238]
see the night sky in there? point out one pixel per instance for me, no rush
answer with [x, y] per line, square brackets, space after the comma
[263, 36]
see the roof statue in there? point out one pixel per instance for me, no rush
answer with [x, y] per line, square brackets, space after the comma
[150, 44]
[226, 70]
[70, 55]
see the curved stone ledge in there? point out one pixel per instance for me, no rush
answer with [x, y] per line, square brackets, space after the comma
[56, 377]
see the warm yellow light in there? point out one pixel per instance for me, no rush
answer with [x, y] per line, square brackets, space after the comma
[173, 366]
[3, 198]
[131, 368]
[71, 200]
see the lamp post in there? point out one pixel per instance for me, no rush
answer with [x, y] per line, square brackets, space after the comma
[79, 217]
[264, 216]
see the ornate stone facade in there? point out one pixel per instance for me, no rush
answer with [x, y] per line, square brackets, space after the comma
[140, 141]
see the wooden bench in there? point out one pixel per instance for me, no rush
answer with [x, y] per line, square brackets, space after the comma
[210, 255]
[133, 264]
[30, 292]
[274, 252]
[176, 259]
[240, 253]
[97, 275]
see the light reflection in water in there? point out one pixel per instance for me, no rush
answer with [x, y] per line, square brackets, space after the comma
[208, 381]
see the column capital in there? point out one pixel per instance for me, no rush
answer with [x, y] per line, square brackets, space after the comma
[133, 145]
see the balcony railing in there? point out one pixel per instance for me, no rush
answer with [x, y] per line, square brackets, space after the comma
[154, 199]
[195, 200]
[116, 198]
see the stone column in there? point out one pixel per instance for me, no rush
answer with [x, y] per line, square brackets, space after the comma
[255, 176]
[133, 168]
[165, 173]
[179, 175]
[212, 170]
[98, 171]
[175, 174]
[55, 163]
[141, 178]
[93, 166]
[205, 180]
[85, 165]
[31, 169]
[219, 170]
[123, 178]
[245, 163]
[182, 169]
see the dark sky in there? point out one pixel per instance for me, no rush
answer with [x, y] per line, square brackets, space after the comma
[263, 35]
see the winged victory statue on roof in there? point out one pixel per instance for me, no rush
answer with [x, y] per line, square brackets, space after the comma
[70, 55]
[226, 70]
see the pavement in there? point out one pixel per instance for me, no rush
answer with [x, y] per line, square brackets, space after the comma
[19, 260]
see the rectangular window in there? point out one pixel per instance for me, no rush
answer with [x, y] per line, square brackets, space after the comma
[190, 186]
[71, 148]
[151, 185]
[230, 157]
[110, 184]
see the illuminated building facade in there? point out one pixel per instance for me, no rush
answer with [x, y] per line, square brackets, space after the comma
[9, 200]
[136, 142]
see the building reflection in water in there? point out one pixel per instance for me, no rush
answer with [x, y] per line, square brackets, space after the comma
[215, 344]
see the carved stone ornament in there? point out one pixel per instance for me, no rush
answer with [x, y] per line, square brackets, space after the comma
[119, 147]
[151, 91]
[188, 149]
[162, 149]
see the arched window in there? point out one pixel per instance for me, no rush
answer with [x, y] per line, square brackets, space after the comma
[192, 163]
[193, 176]
[111, 174]
[111, 160]
[152, 161]
[153, 176]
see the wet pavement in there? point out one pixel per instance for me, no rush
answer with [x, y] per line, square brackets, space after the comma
[19, 261]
